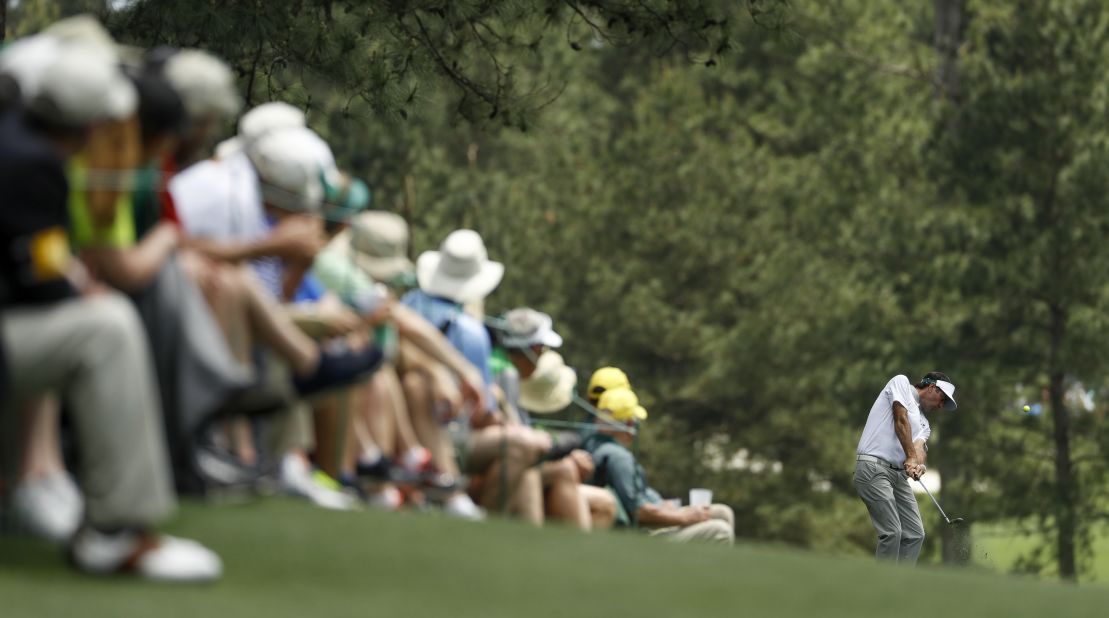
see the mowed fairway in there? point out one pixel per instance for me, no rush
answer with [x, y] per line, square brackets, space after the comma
[287, 559]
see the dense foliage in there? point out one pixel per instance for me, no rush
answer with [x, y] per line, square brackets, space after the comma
[761, 210]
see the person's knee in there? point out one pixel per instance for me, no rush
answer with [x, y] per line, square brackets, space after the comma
[414, 382]
[912, 536]
[523, 443]
[603, 505]
[717, 531]
[563, 471]
[724, 513]
[890, 534]
[112, 319]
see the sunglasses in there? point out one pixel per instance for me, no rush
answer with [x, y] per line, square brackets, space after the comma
[943, 395]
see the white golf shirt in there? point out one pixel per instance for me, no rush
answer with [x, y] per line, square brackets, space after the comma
[879, 438]
[221, 200]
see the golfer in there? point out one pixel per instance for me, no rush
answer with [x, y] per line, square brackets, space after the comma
[892, 448]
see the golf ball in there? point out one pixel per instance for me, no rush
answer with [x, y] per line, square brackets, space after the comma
[1027, 408]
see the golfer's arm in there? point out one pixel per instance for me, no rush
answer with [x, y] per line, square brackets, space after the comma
[903, 430]
[921, 452]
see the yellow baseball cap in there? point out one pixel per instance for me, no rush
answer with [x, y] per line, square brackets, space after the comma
[606, 378]
[622, 404]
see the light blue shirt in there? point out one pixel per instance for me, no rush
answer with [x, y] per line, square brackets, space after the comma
[466, 333]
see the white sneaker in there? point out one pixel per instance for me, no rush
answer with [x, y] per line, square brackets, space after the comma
[295, 478]
[49, 507]
[461, 506]
[161, 558]
[387, 498]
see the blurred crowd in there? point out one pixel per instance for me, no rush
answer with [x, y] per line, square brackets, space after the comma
[185, 315]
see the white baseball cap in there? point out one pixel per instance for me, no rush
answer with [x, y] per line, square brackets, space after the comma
[73, 83]
[205, 83]
[289, 168]
[260, 120]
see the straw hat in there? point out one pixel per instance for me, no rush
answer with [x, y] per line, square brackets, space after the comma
[551, 387]
[460, 270]
[377, 242]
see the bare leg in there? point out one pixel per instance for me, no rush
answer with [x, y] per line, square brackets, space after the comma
[272, 326]
[219, 284]
[564, 502]
[377, 416]
[326, 415]
[241, 439]
[527, 502]
[601, 504]
[503, 454]
[427, 429]
[405, 433]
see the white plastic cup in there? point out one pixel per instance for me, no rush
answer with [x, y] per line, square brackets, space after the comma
[700, 497]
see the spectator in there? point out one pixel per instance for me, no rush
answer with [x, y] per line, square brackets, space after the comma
[547, 386]
[460, 273]
[264, 207]
[618, 469]
[58, 326]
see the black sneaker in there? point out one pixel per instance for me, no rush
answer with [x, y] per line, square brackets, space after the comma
[379, 470]
[339, 368]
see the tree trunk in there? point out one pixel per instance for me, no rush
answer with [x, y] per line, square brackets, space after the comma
[1066, 490]
[949, 21]
[949, 37]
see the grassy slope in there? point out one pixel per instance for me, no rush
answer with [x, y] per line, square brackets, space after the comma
[286, 559]
[997, 546]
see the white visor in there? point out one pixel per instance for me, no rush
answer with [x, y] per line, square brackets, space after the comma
[949, 390]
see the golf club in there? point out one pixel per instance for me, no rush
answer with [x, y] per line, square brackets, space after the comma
[950, 522]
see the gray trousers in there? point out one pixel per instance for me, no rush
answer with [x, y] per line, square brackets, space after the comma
[93, 352]
[893, 509]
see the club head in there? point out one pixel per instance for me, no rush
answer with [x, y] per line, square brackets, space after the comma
[955, 522]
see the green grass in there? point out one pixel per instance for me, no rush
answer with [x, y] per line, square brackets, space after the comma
[287, 559]
[998, 546]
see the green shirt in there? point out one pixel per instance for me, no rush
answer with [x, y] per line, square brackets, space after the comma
[83, 231]
[618, 470]
[340, 275]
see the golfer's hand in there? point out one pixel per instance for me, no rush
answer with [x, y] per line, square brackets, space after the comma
[914, 470]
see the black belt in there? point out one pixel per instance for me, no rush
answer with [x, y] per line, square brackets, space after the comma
[878, 460]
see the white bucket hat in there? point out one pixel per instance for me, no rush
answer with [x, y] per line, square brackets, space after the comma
[525, 327]
[460, 270]
[551, 387]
